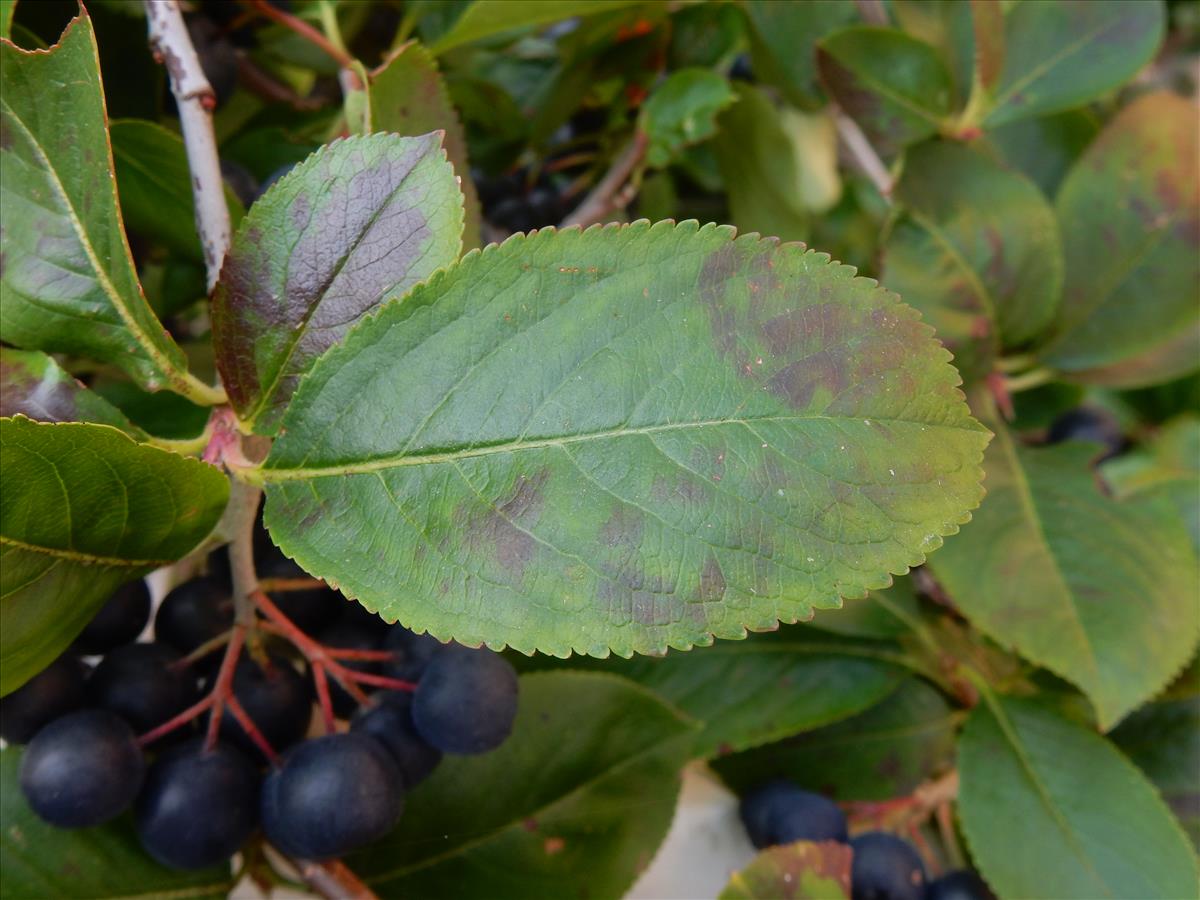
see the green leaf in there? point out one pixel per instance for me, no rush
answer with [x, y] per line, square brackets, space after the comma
[1050, 809]
[969, 36]
[1130, 217]
[359, 222]
[976, 248]
[1063, 54]
[883, 752]
[1044, 148]
[7, 8]
[760, 168]
[82, 510]
[1163, 739]
[104, 863]
[408, 96]
[155, 186]
[627, 438]
[682, 111]
[896, 87]
[68, 283]
[1099, 592]
[783, 38]
[489, 18]
[799, 871]
[32, 384]
[872, 616]
[581, 793]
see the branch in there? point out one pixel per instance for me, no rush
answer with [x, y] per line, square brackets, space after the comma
[304, 30]
[333, 880]
[611, 192]
[863, 153]
[172, 46]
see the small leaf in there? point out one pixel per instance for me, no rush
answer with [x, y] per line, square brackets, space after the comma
[68, 283]
[582, 793]
[682, 111]
[408, 96]
[104, 863]
[1044, 148]
[969, 36]
[977, 250]
[1130, 217]
[799, 871]
[82, 510]
[1101, 593]
[1050, 809]
[626, 438]
[489, 18]
[783, 38]
[1061, 55]
[896, 87]
[883, 752]
[32, 384]
[360, 221]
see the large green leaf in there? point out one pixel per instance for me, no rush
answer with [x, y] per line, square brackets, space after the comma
[38, 861]
[1130, 217]
[1044, 148]
[896, 87]
[1102, 593]
[883, 752]
[155, 186]
[68, 283]
[489, 18]
[83, 509]
[408, 96]
[977, 250]
[1050, 809]
[32, 384]
[783, 39]
[799, 871]
[360, 221]
[1061, 55]
[581, 794]
[627, 438]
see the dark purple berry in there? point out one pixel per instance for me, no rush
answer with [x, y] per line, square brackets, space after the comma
[119, 622]
[961, 884]
[780, 813]
[885, 868]
[141, 685]
[466, 700]
[193, 613]
[276, 697]
[389, 720]
[411, 653]
[53, 692]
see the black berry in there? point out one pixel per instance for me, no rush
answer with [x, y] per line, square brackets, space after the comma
[119, 622]
[1089, 424]
[140, 684]
[193, 613]
[466, 700]
[276, 697]
[961, 884]
[389, 721]
[885, 868]
[411, 653]
[780, 813]
[53, 692]
[82, 769]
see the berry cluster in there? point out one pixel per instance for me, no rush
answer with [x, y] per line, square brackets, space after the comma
[884, 866]
[192, 739]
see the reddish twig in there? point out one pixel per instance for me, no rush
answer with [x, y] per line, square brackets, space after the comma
[366, 655]
[333, 880]
[283, 585]
[223, 688]
[175, 722]
[248, 726]
[611, 192]
[381, 681]
[304, 30]
[323, 700]
[203, 650]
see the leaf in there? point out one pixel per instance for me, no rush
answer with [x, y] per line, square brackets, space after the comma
[32, 384]
[1050, 809]
[103, 863]
[760, 168]
[1099, 592]
[68, 283]
[682, 111]
[360, 221]
[883, 752]
[895, 87]
[155, 186]
[783, 38]
[558, 444]
[408, 96]
[489, 18]
[969, 36]
[800, 871]
[1163, 740]
[1045, 148]
[1130, 217]
[581, 793]
[872, 616]
[82, 510]
[976, 248]
[1061, 55]
[7, 8]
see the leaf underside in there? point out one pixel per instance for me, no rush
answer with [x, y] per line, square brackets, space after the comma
[625, 439]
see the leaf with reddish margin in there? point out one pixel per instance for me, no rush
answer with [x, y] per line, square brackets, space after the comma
[357, 223]
[801, 871]
[32, 384]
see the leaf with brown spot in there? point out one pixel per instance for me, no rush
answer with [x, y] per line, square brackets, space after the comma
[801, 871]
[32, 384]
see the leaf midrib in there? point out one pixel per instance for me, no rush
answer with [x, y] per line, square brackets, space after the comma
[86, 558]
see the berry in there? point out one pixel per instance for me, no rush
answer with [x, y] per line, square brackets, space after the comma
[119, 621]
[961, 884]
[389, 721]
[466, 700]
[196, 611]
[1089, 424]
[742, 70]
[348, 635]
[140, 685]
[82, 769]
[411, 652]
[885, 868]
[53, 692]
[310, 610]
[780, 813]
[198, 807]
[332, 795]
[276, 697]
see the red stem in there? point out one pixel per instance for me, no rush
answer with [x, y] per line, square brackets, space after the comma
[369, 655]
[177, 722]
[323, 697]
[223, 689]
[302, 28]
[260, 741]
[282, 585]
[392, 684]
